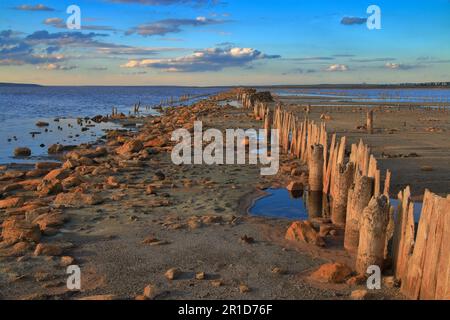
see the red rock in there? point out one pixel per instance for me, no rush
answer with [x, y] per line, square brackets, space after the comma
[295, 186]
[325, 230]
[359, 295]
[76, 199]
[72, 181]
[12, 187]
[151, 292]
[172, 274]
[30, 185]
[70, 164]
[11, 203]
[15, 229]
[47, 165]
[49, 220]
[332, 273]
[156, 143]
[37, 173]
[132, 146]
[113, 182]
[57, 174]
[45, 249]
[304, 231]
[66, 261]
[49, 187]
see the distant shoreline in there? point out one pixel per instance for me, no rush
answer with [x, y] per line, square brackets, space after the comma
[428, 85]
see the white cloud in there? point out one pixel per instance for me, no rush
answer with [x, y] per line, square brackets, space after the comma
[337, 67]
[212, 59]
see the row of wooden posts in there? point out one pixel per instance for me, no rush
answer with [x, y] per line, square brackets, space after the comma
[375, 231]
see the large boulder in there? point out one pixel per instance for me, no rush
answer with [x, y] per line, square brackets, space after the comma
[304, 231]
[15, 229]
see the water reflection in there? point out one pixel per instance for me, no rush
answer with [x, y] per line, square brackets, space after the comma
[298, 205]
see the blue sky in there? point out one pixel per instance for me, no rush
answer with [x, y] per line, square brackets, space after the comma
[229, 42]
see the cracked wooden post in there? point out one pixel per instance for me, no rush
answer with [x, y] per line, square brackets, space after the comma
[359, 196]
[372, 235]
[267, 124]
[316, 168]
[343, 182]
[370, 122]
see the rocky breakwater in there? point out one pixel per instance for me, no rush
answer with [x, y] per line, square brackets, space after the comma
[35, 204]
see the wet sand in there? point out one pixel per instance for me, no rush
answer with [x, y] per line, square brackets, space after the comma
[194, 218]
[412, 142]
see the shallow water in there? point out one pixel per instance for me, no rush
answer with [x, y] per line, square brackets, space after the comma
[24, 133]
[22, 107]
[413, 95]
[280, 203]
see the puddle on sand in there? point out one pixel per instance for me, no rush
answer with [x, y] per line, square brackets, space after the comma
[280, 203]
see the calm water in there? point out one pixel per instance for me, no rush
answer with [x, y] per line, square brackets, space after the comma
[280, 203]
[373, 95]
[22, 107]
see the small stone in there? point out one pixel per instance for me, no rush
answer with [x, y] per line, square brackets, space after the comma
[105, 297]
[43, 249]
[325, 230]
[332, 273]
[295, 186]
[22, 152]
[244, 288]
[247, 240]
[216, 283]
[359, 295]
[278, 270]
[172, 274]
[390, 282]
[305, 232]
[42, 124]
[66, 261]
[200, 276]
[151, 292]
[150, 190]
[356, 280]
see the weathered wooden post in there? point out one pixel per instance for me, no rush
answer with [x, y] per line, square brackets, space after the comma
[359, 196]
[370, 122]
[316, 168]
[343, 182]
[268, 124]
[372, 235]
